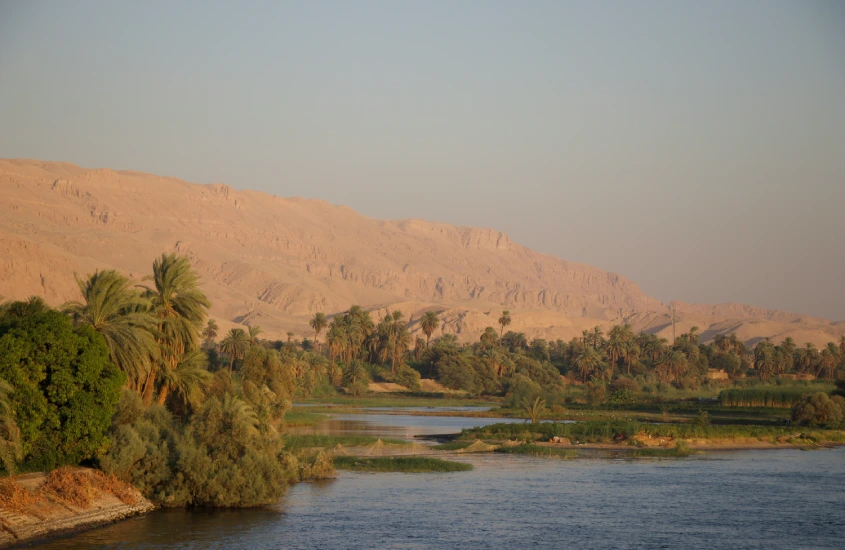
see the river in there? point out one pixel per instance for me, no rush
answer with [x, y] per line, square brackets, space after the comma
[720, 500]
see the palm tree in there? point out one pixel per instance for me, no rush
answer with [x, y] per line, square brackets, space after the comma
[597, 336]
[630, 354]
[827, 362]
[399, 338]
[252, 334]
[290, 336]
[614, 348]
[535, 410]
[694, 336]
[118, 312]
[181, 308]
[587, 362]
[239, 418]
[188, 380]
[318, 323]
[210, 332]
[429, 323]
[504, 320]
[11, 449]
[807, 357]
[419, 346]
[235, 345]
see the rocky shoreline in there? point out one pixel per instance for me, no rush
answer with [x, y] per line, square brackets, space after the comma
[26, 520]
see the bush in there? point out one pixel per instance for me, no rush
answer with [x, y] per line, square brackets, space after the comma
[65, 388]
[408, 377]
[820, 409]
[520, 388]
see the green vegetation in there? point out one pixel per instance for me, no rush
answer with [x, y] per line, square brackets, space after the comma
[310, 441]
[64, 388]
[820, 410]
[623, 431]
[409, 464]
[766, 396]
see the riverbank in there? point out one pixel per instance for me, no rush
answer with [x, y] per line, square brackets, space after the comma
[42, 505]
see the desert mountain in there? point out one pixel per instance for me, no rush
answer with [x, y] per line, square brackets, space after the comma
[275, 261]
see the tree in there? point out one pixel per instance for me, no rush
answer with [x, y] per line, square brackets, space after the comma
[11, 448]
[630, 354]
[116, 310]
[534, 409]
[252, 332]
[615, 348]
[318, 323]
[210, 332]
[827, 362]
[504, 321]
[181, 308]
[188, 380]
[66, 387]
[587, 362]
[290, 337]
[235, 345]
[429, 323]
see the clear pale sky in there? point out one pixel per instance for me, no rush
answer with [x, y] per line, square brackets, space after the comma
[697, 148]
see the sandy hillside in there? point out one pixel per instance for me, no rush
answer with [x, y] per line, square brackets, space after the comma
[275, 261]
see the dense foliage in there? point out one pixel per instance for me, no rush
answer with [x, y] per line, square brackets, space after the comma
[65, 387]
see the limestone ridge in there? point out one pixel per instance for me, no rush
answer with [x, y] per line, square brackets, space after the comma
[276, 261]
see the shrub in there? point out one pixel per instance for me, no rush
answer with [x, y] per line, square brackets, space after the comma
[408, 377]
[820, 409]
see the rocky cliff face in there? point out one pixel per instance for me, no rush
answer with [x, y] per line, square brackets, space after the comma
[276, 261]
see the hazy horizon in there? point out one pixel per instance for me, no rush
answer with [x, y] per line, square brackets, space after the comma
[698, 150]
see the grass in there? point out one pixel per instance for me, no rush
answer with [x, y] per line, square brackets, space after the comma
[406, 464]
[595, 431]
[536, 450]
[302, 418]
[452, 445]
[294, 442]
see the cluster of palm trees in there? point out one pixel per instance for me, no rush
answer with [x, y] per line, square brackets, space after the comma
[776, 360]
[354, 335]
[153, 330]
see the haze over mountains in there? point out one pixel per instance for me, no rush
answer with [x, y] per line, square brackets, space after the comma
[274, 262]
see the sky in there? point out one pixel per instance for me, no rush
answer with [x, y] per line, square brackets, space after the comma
[696, 148]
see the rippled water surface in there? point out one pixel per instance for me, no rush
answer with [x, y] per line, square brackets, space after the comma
[741, 499]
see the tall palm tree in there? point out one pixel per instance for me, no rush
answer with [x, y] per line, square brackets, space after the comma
[694, 335]
[504, 320]
[827, 362]
[318, 323]
[290, 337]
[429, 323]
[181, 308]
[210, 332]
[807, 357]
[614, 348]
[235, 345]
[399, 338]
[117, 311]
[630, 354]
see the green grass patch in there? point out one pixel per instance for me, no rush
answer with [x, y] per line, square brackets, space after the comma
[295, 442]
[407, 464]
[452, 445]
[303, 418]
[536, 450]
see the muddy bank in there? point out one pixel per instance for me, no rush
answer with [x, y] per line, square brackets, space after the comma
[38, 506]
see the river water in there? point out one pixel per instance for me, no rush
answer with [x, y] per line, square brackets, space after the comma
[740, 499]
